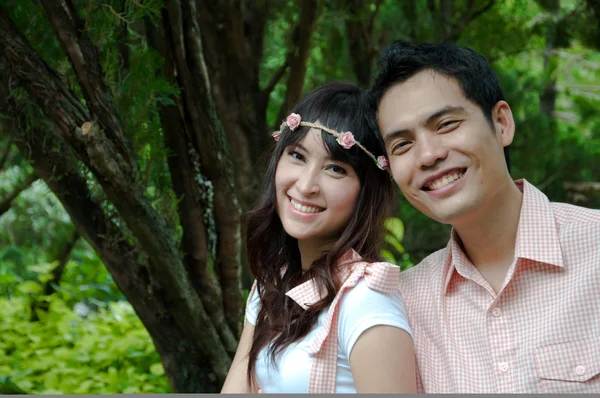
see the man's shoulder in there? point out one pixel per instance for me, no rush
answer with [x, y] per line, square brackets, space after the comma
[429, 269]
[566, 213]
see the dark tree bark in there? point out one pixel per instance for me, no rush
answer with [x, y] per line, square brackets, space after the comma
[103, 149]
[360, 24]
[549, 93]
[298, 56]
[185, 363]
[449, 22]
[50, 286]
[186, 292]
[62, 258]
[5, 154]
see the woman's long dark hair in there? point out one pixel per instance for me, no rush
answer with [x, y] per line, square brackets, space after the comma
[274, 256]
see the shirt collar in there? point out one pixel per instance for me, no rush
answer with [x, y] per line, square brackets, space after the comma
[308, 293]
[537, 236]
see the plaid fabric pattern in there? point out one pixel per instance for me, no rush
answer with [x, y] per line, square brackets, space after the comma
[539, 333]
[382, 277]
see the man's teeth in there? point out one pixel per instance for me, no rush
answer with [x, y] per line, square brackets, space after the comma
[304, 209]
[441, 182]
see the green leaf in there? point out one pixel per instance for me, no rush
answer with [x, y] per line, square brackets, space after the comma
[43, 268]
[157, 369]
[395, 226]
[29, 287]
[7, 279]
[388, 256]
[395, 243]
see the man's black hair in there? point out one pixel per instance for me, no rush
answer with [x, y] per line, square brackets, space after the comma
[401, 60]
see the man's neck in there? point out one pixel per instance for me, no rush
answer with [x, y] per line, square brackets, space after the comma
[489, 237]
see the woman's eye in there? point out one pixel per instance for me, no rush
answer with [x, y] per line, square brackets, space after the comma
[337, 169]
[296, 155]
[400, 146]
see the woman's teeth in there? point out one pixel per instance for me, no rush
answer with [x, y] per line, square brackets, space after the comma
[305, 209]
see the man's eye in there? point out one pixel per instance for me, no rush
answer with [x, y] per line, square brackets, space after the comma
[448, 124]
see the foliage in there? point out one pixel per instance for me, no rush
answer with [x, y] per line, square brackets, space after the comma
[394, 251]
[536, 47]
[71, 352]
[24, 237]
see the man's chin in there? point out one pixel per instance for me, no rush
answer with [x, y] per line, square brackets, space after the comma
[448, 215]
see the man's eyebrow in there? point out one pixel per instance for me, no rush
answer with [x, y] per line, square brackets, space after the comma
[430, 119]
[442, 111]
[395, 134]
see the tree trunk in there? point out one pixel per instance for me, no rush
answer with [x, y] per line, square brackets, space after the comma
[185, 364]
[298, 57]
[159, 287]
[186, 290]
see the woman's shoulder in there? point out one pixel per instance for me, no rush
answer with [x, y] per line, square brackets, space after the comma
[363, 307]
[362, 294]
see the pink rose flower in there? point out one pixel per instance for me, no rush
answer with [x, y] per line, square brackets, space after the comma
[293, 121]
[276, 135]
[346, 140]
[382, 162]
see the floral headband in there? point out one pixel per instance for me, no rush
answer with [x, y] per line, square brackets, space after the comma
[346, 139]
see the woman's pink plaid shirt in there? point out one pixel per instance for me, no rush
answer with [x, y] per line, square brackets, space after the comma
[382, 277]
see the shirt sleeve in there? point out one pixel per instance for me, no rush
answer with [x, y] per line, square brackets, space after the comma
[253, 306]
[362, 308]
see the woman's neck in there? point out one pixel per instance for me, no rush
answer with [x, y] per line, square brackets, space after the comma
[311, 251]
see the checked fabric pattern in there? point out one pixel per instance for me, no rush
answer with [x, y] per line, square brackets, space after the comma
[382, 277]
[540, 333]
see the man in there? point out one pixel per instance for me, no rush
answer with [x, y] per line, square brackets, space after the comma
[512, 304]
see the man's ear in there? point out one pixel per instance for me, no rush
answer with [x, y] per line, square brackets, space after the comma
[503, 123]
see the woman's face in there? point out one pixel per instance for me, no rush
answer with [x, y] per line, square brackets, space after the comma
[316, 195]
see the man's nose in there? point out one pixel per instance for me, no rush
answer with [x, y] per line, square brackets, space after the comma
[431, 150]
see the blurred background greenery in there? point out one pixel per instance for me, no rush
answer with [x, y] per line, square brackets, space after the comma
[182, 96]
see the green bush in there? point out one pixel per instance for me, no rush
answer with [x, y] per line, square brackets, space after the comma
[70, 352]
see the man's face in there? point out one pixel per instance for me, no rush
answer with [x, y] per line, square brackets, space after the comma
[446, 158]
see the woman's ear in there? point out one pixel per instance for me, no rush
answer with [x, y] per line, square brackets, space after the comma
[504, 123]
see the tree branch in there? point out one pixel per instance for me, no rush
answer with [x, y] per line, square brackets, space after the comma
[208, 139]
[373, 16]
[118, 180]
[582, 187]
[191, 212]
[359, 39]
[466, 19]
[298, 56]
[266, 92]
[6, 153]
[84, 58]
[6, 202]
[62, 258]
[255, 19]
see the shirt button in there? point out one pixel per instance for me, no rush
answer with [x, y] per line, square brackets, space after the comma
[496, 312]
[503, 367]
[580, 370]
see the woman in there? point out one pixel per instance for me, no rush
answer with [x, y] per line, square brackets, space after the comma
[322, 317]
